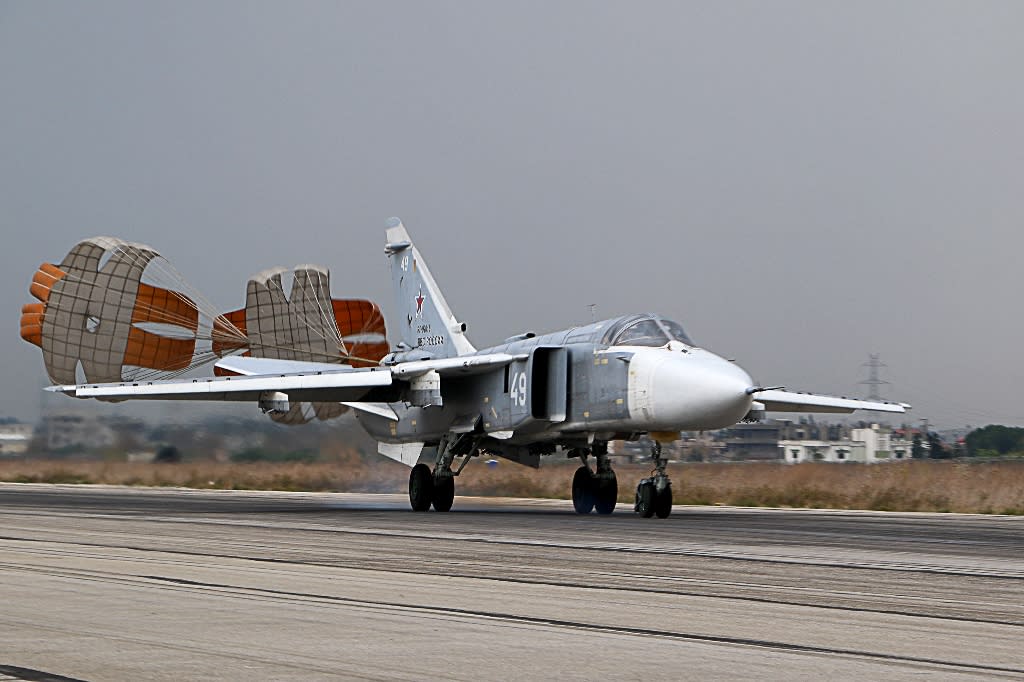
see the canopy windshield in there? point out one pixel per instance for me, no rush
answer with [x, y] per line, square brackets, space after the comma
[649, 330]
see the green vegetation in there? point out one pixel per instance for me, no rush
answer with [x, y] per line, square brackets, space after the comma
[995, 440]
[917, 447]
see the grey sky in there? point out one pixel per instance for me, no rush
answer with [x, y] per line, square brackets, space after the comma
[798, 183]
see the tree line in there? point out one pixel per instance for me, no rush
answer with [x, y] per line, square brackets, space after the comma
[994, 440]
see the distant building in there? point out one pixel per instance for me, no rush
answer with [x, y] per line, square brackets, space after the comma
[756, 441]
[875, 443]
[631, 452]
[63, 430]
[759, 441]
[144, 457]
[15, 439]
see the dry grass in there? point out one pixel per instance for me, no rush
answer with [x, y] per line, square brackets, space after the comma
[933, 486]
[293, 476]
[996, 487]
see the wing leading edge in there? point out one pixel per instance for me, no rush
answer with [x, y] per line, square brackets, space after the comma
[789, 401]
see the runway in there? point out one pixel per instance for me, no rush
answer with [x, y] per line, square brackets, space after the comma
[107, 583]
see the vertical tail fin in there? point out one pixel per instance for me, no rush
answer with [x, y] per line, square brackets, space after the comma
[426, 320]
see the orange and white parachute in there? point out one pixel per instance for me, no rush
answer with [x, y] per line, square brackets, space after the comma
[117, 311]
[97, 321]
[306, 325]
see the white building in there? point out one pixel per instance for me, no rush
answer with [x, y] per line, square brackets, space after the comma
[14, 438]
[874, 444]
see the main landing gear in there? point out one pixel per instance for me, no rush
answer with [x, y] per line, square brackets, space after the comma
[431, 488]
[437, 488]
[595, 489]
[654, 494]
[421, 487]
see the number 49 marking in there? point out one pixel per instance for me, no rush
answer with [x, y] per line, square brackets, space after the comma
[517, 390]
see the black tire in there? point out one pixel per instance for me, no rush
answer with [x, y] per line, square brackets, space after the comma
[444, 493]
[421, 487]
[583, 490]
[606, 494]
[645, 494]
[663, 502]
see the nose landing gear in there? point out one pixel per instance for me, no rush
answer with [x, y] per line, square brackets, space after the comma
[654, 494]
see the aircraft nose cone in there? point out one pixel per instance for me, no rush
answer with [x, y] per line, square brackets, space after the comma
[699, 391]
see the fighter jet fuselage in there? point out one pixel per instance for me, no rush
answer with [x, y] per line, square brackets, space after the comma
[610, 380]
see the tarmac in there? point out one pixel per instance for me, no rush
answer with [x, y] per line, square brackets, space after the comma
[111, 583]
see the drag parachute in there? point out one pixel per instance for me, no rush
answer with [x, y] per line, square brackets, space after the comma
[306, 325]
[97, 321]
[116, 311]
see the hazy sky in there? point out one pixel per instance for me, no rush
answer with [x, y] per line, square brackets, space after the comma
[799, 183]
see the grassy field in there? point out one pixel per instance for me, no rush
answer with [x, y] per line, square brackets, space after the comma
[936, 486]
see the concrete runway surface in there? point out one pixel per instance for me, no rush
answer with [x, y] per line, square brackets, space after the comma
[107, 583]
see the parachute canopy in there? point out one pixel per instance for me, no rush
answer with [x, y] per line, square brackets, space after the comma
[117, 311]
[94, 312]
[308, 325]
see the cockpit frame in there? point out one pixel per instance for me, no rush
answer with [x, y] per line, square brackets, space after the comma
[645, 330]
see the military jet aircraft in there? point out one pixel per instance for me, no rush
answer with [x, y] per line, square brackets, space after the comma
[434, 402]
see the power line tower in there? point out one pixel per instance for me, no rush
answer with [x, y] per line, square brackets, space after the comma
[873, 383]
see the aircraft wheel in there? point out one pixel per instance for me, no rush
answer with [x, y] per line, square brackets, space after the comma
[607, 494]
[583, 490]
[444, 493]
[645, 496]
[663, 502]
[421, 487]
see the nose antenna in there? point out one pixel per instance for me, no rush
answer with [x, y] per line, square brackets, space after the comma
[759, 389]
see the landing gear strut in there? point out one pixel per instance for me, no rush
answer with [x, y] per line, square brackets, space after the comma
[595, 489]
[437, 488]
[654, 494]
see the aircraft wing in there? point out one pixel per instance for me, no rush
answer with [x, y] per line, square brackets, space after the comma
[302, 381]
[460, 365]
[248, 366]
[336, 385]
[789, 401]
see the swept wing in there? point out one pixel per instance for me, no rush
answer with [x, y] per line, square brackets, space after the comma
[333, 386]
[463, 365]
[307, 381]
[775, 400]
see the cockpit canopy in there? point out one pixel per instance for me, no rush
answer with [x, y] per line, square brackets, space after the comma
[645, 330]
